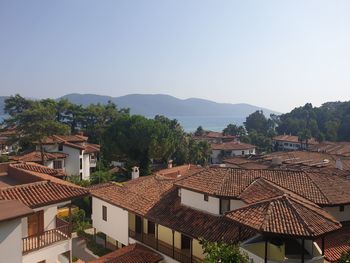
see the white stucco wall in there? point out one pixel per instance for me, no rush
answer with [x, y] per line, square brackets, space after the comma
[11, 241]
[50, 253]
[216, 153]
[117, 224]
[340, 216]
[72, 160]
[86, 166]
[196, 200]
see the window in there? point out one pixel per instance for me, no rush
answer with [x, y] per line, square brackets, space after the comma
[60, 147]
[341, 208]
[104, 213]
[242, 152]
[81, 163]
[224, 206]
[206, 197]
[57, 164]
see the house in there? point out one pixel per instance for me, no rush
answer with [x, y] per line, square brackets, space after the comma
[216, 137]
[274, 215]
[55, 160]
[335, 148]
[7, 146]
[219, 151]
[291, 143]
[30, 230]
[81, 156]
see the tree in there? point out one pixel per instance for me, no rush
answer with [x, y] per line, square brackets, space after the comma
[257, 122]
[100, 177]
[234, 130]
[199, 152]
[222, 252]
[36, 123]
[199, 132]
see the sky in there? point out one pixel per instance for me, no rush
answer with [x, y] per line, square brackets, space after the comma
[273, 54]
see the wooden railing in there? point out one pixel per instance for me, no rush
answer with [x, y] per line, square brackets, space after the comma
[182, 255]
[46, 238]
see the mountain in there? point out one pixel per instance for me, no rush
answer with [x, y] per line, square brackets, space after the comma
[150, 105]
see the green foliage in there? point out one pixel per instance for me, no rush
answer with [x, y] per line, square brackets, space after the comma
[233, 129]
[4, 158]
[75, 179]
[330, 122]
[199, 132]
[95, 248]
[222, 252]
[100, 177]
[199, 152]
[79, 221]
[345, 256]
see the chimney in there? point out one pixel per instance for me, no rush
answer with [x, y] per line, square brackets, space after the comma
[170, 164]
[338, 164]
[135, 173]
[276, 161]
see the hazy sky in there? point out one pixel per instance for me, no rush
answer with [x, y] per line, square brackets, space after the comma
[276, 54]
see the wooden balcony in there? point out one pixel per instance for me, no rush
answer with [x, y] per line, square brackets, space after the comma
[182, 255]
[35, 242]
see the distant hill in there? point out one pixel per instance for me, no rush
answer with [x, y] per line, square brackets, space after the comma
[151, 105]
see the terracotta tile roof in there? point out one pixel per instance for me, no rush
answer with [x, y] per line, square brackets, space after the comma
[11, 209]
[182, 170]
[213, 134]
[91, 148]
[41, 193]
[65, 138]
[285, 215]
[141, 194]
[40, 169]
[196, 224]
[309, 159]
[322, 189]
[35, 156]
[135, 253]
[292, 139]
[336, 148]
[227, 146]
[336, 243]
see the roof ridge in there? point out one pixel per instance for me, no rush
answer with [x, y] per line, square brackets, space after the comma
[270, 206]
[302, 221]
[316, 185]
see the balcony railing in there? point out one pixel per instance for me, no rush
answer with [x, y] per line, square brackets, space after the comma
[182, 255]
[61, 232]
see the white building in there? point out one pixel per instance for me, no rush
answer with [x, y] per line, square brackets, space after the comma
[291, 143]
[30, 230]
[171, 210]
[219, 151]
[81, 156]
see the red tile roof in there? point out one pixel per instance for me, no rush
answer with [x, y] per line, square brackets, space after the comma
[336, 243]
[135, 253]
[37, 168]
[196, 224]
[336, 148]
[65, 138]
[42, 193]
[91, 148]
[286, 215]
[141, 194]
[292, 139]
[322, 189]
[228, 146]
[36, 156]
